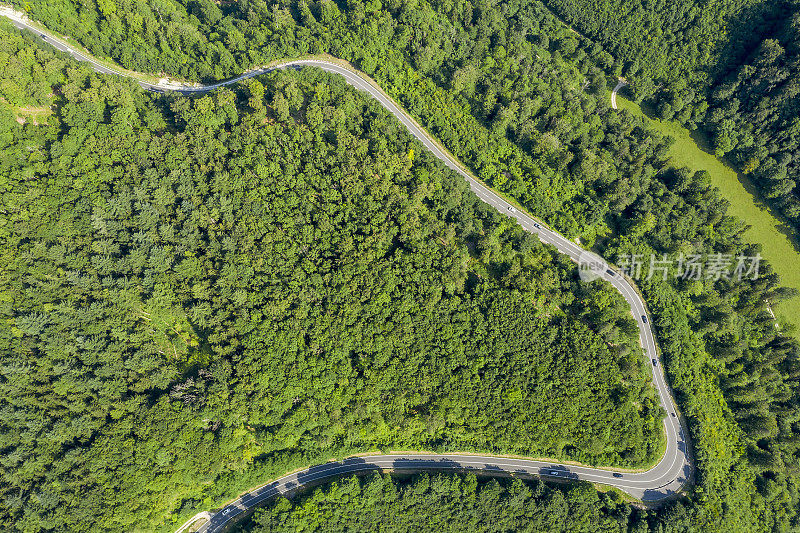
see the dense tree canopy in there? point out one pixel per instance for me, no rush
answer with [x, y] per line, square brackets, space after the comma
[755, 116]
[279, 273]
[729, 67]
[428, 503]
[239, 230]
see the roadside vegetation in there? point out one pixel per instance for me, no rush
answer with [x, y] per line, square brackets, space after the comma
[519, 99]
[441, 502]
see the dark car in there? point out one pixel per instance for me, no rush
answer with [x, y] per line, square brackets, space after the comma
[535, 225]
[617, 474]
[644, 319]
[655, 362]
[610, 272]
[674, 415]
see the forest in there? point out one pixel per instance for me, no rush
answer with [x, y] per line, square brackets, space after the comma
[455, 502]
[519, 99]
[728, 68]
[273, 274]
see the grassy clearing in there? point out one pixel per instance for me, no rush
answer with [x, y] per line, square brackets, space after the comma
[35, 115]
[779, 245]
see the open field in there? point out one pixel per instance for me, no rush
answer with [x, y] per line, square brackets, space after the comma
[780, 247]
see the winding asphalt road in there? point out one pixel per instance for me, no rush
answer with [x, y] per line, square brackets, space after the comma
[661, 481]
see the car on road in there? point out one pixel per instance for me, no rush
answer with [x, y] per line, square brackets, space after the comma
[535, 225]
[511, 208]
[225, 511]
[610, 272]
[644, 319]
[674, 415]
[616, 474]
[655, 361]
[43, 36]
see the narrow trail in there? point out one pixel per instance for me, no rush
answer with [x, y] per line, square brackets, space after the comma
[620, 84]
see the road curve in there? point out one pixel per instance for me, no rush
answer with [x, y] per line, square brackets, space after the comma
[620, 84]
[664, 479]
[632, 483]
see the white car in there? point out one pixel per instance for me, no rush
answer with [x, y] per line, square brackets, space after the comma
[511, 208]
